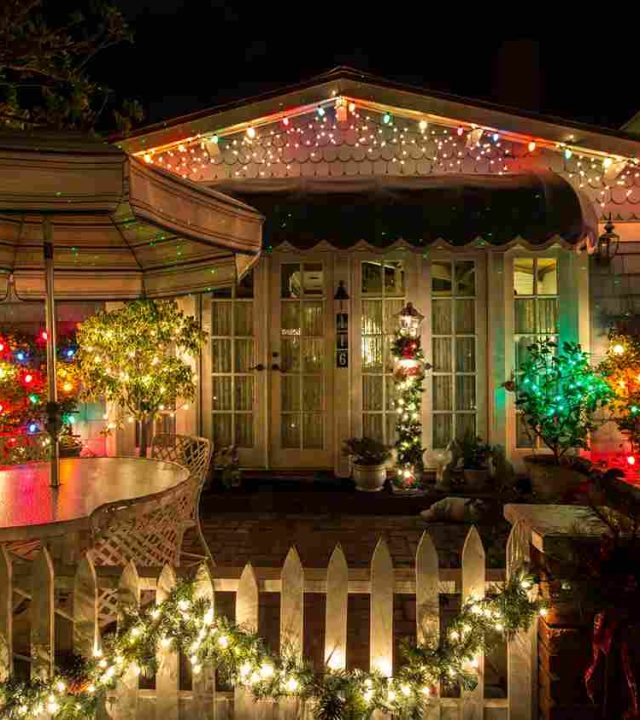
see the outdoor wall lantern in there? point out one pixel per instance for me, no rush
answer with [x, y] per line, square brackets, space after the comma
[341, 293]
[608, 243]
[410, 320]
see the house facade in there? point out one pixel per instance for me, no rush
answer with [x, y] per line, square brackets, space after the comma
[375, 195]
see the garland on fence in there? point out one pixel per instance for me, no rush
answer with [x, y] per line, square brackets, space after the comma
[186, 622]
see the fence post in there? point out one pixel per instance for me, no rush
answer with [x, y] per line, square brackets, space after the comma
[247, 599]
[204, 682]
[42, 616]
[381, 610]
[428, 602]
[167, 674]
[86, 636]
[291, 621]
[473, 585]
[6, 614]
[522, 659]
[127, 686]
[337, 599]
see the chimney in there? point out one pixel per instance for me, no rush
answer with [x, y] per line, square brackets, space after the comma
[516, 75]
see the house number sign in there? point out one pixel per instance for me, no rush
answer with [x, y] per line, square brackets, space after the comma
[342, 340]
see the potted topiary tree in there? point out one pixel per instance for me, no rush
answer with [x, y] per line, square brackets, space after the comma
[368, 458]
[558, 393]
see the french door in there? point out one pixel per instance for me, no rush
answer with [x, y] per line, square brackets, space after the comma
[300, 363]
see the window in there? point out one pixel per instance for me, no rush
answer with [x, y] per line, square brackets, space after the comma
[232, 353]
[302, 346]
[453, 352]
[535, 296]
[382, 291]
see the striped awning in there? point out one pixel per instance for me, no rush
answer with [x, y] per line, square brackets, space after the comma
[121, 229]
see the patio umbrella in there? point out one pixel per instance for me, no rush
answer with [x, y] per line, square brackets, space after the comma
[110, 227]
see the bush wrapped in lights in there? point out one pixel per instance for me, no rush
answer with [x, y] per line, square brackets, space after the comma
[23, 382]
[409, 376]
[134, 357]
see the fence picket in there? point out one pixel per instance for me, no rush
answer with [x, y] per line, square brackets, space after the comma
[473, 585]
[291, 621]
[204, 681]
[42, 615]
[337, 597]
[126, 705]
[247, 600]
[428, 602]
[381, 610]
[6, 614]
[168, 672]
[522, 659]
[86, 637]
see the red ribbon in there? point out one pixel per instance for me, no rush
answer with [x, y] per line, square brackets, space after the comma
[604, 629]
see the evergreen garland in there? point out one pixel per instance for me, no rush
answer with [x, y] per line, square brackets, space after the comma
[187, 623]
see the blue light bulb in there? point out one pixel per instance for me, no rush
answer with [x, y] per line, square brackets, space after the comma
[32, 427]
[20, 356]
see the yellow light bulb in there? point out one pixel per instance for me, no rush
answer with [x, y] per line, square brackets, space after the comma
[618, 349]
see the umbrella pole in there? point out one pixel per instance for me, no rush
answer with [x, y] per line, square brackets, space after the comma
[53, 412]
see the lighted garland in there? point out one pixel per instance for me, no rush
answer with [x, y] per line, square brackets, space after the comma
[186, 622]
[409, 376]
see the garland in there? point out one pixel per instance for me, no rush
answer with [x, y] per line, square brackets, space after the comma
[186, 622]
[409, 375]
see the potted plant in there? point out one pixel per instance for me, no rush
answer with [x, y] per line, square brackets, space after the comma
[558, 393]
[368, 458]
[475, 455]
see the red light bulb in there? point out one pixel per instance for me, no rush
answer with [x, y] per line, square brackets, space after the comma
[44, 335]
[1, 347]
[28, 378]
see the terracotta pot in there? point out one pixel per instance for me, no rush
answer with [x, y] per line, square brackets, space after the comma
[549, 480]
[369, 478]
[475, 478]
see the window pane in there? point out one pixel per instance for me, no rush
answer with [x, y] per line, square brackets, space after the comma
[290, 431]
[521, 350]
[222, 393]
[372, 353]
[222, 428]
[221, 355]
[441, 430]
[312, 354]
[465, 392]
[312, 387]
[441, 281]
[221, 318]
[465, 354]
[244, 430]
[441, 317]
[547, 316]
[244, 289]
[290, 348]
[312, 318]
[523, 276]
[371, 278]
[390, 428]
[290, 392]
[244, 318]
[371, 317]
[372, 392]
[244, 354]
[244, 392]
[390, 392]
[465, 316]
[393, 278]
[465, 425]
[523, 437]
[291, 281]
[465, 278]
[442, 355]
[372, 426]
[442, 399]
[290, 318]
[313, 279]
[391, 310]
[312, 431]
[525, 319]
[547, 276]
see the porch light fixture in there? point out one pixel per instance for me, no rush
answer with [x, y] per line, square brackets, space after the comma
[608, 244]
[341, 292]
[410, 320]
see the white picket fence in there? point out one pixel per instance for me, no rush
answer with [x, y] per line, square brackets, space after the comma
[63, 615]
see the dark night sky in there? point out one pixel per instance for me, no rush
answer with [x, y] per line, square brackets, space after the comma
[190, 54]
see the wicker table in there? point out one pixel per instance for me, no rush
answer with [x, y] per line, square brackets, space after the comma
[31, 512]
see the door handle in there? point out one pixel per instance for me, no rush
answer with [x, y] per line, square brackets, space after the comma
[259, 367]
